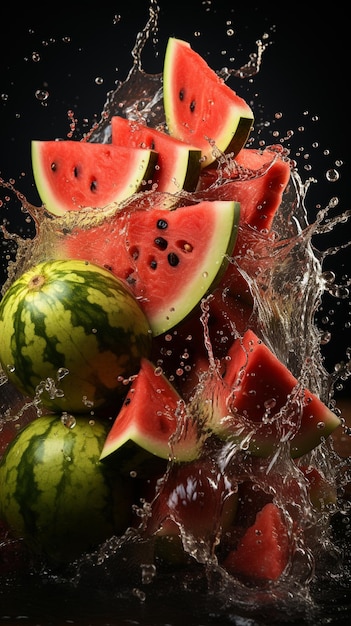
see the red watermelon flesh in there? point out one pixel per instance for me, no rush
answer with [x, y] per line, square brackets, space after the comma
[169, 258]
[263, 552]
[195, 497]
[257, 180]
[71, 175]
[205, 112]
[260, 394]
[178, 165]
[151, 417]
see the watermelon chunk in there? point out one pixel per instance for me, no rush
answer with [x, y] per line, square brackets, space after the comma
[263, 552]
[178, 165]
[207, 114]
[196, 497]
[71, 175]
[152, 417]
[259, 398]
[169, 258]
[257, 180]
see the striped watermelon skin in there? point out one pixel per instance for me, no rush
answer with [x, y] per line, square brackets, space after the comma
[54, 492]
[76, 327]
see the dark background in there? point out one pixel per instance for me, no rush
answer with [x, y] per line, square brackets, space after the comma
[76, 52]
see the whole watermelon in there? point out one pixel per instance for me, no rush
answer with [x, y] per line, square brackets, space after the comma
[71, 333]
[54, 491]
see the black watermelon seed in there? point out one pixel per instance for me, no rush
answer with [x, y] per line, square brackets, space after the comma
[153, 264]
[173, 259]
[192, 106]
[161, 243]
[93, 186]
[181, 94]
[161, 224]
[53, 167]
[76, 172]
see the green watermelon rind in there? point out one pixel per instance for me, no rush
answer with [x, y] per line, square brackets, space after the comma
[141, 166]
[231, 134]
[185, 160]
[225, 420]
[145, 431]
[54, 492]
[80, 320]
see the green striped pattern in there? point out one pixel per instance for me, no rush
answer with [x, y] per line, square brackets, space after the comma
[76, 316]
[56, 494]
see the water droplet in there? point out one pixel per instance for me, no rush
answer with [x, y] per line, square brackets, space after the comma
[68, 420]
[148, 573]
[332, 175]
[270, 404]
[325, 338]
[42, 95]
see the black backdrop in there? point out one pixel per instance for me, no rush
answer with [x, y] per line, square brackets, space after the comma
[76, 52]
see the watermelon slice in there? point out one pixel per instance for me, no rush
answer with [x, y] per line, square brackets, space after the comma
[263, 552]
[71, 175]
[207, 114]
[196, 497]
[259, 398]
[151, 418]
[258, 180]
[169, 258]
[178, 166]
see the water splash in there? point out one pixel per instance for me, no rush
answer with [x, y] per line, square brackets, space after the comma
[289, 271]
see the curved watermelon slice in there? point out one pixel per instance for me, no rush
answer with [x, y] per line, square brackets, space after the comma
[71, 175]
[169, 258]
[207, 114]
[178, 165]
[152, 418]
[258, 399]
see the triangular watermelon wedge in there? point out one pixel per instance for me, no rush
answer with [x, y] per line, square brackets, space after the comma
[152, 417]
[169, 258]
[206, 112]
[178, 165]
[263, 552]
[258, 402]
[71, 175]
[257, 179]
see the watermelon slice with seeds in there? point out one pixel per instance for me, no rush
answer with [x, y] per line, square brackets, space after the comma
[169, 258]
[178, 166]
[71, 175]
[150, 417]
[206, 112]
